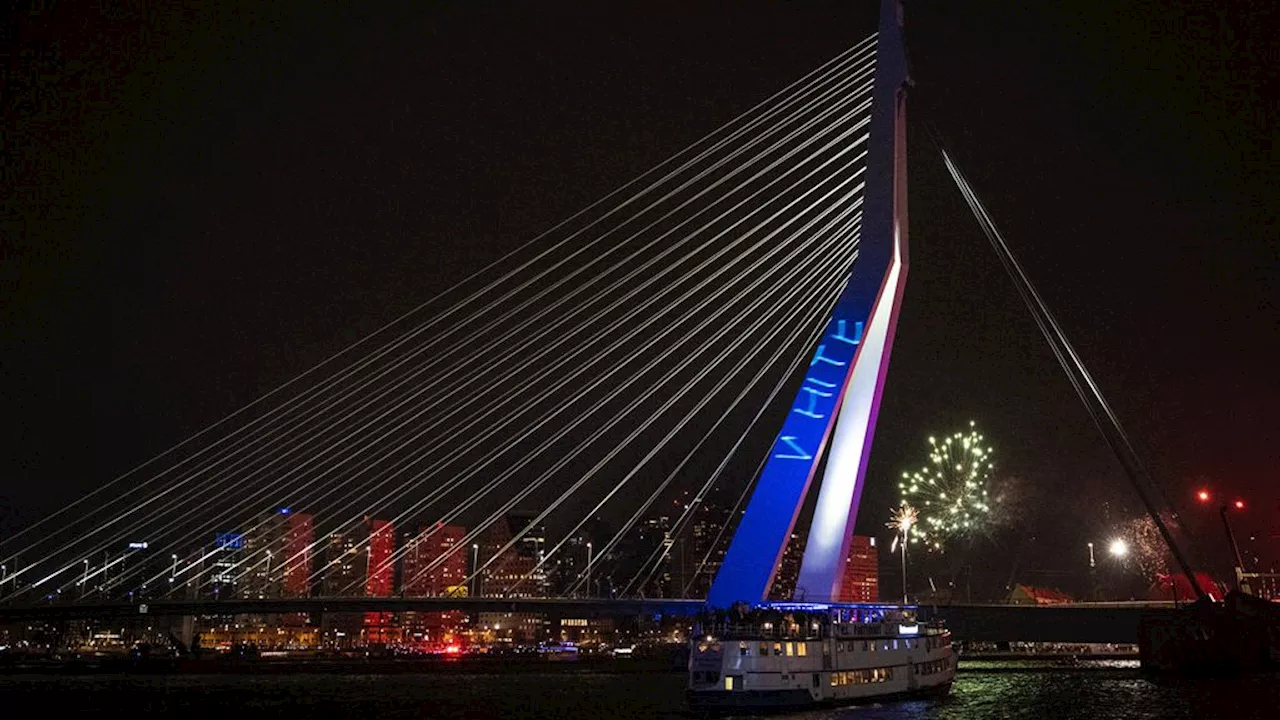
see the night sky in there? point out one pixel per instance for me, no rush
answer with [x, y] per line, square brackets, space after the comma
[202, 205]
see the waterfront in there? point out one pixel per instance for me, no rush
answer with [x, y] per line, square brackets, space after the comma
[985, 690]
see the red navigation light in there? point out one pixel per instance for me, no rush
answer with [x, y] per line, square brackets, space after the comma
[1203, 496]
[1239, 504]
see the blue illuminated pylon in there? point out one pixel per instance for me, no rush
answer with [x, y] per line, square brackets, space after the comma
[845, 377]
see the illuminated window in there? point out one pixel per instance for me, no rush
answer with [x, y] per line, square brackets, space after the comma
[728, 682]
[790, 650]
[777, 649]
[802, 649]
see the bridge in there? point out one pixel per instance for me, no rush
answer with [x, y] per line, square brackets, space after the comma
[1100, 622]
[716, 334]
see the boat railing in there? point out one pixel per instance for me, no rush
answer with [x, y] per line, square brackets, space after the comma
[764, 631]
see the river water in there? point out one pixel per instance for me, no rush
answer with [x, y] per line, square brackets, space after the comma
[991, 691]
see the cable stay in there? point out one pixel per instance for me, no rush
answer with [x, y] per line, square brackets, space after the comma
[1090, 395]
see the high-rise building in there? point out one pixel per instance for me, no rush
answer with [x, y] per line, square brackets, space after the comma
[784, 582]
[436, 630]
[518, 570]
[277, 558]
[380, 565]
[707, 540]
[423, 548]
[861, 571]
[228, 554]
[298, 546]
[344, 564]
[379, 578]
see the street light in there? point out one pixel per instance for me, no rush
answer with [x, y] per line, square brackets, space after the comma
[475, 569]
[1203, 496]
[589, 570]
[1093, 574]
[1118, 548]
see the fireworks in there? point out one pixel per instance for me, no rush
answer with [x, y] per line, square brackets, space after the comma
[950, 492]
[903, 519]
[1147, 545]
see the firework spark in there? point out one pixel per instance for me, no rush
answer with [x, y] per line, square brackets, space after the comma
[950, 492]
[903, 519]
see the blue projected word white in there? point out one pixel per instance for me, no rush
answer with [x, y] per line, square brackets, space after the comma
[234, 541]
[818, 395]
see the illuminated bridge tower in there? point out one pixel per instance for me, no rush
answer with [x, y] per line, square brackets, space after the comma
[835, 409]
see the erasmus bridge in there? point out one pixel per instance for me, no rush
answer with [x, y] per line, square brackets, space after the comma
[551, 433]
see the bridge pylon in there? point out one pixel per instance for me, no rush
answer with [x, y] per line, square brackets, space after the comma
[834, 413]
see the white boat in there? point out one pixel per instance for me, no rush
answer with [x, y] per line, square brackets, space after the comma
[800, 655]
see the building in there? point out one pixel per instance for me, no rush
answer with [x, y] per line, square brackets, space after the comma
[568, 566]
[784, 581]
[421, 549]
[360, 561]
[379, 579]
[277, 560]
[708, 540]
[343, 565]
[434, 630]
[228, 552]
[861, 581]
[516, 571]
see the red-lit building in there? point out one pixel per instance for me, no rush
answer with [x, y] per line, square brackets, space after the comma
[438, 630]
[379, 577]
[299, 537]
[422, 549]
[278, 555]
[861, 571]
[380, 572]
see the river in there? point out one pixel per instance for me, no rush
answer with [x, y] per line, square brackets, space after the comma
[986, 690]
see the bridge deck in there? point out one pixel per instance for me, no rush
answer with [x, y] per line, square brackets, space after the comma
[1074, 623]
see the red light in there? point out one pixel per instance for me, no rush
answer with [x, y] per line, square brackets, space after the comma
[1239, 504]
[452, 650]
[1203, 495]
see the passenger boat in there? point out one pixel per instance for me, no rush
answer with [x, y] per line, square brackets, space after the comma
[800, 655]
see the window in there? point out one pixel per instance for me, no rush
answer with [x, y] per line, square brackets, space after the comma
[802, 649]
[815, 679]
[777, 649]
[764, 649]
[743, 650]
[790, 650]
[728, 681]
[895, 644]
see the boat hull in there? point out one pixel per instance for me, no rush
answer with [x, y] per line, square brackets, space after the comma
[792, 699]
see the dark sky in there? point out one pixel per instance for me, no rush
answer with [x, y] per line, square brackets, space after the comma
[202, 204]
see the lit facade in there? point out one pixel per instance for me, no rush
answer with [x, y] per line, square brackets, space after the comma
[277, 556]
[861, 571]
[516, 571]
